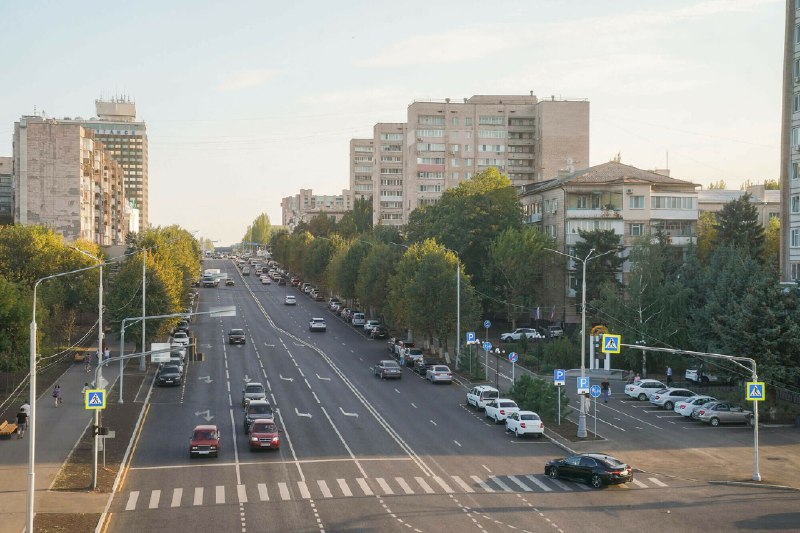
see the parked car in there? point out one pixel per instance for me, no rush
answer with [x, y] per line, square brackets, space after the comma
[642, 390]
[370, 324]
[555, 331]
[295, 281]
[281, 281]
[236, 336]
[253, 391]
[205, 440]
[685, 407]
[696, 375]
[480, 395]
[180, 337]
[439, 374]
[169, 375]
[387, 369]
[332, 301]
[716, 413]
[517, 334]
[289, 300]
[524, 423]
[499, 409]
[229, 282]
[317, 324]
[422, 364]
[183, 325]
[264, 434]
[379, 332]
[597, 469]
[358, 320]
[410, 355]
[666, 398]
[256, 409]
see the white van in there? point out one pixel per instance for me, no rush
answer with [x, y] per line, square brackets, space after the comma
[358, 320]
[479, 396]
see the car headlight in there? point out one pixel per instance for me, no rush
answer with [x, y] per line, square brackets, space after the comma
[254, 439]
[274, 439]
[194, 447]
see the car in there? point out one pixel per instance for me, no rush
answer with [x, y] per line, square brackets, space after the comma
[479, 395]
[358, 320]
[380, 332]
[716, 413]
[409, 356]
[236, 336]
[175, 360]
[169, 375]
[439, 374]
[596, 469]
[295, 281]
[319, 297]
[499, 409]
[246, 271]
[289, 300]
[317, 324]
[180, 337]
[696, 375]
[369, 325]
[666, 398]
[281, 282]
[313, 293]
[332, 301]
[524, 423]
[210, 282]
[254, 410]
[253, 391]
[685, 407]
[346, 314]
[265, 280]
[517, 334]
[177, 350]
[205, 440]
[555, 331]
[643, 389]
[421, 365]
[387, 369]
[264, 434]
[183, 325]
[229, 282]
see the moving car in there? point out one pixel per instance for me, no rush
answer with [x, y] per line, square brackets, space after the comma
[596, 469]
[169, 375]
[499, 409]
[387, 369]
[642, 390]
[666, 398]
[229, 282]
[236, 336]
[254, 410]
[204, 441]
[716, 413]
[524, 423]
[253, 391]
[265, 280]
[439, 374]
[685, 407]
[289, 300]
[317, 324]
[480, 395]
[517, 334]
[264, 434]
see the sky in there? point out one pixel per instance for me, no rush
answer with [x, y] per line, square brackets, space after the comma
[247, 102]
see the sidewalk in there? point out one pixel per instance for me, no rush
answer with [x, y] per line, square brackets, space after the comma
[57, 432]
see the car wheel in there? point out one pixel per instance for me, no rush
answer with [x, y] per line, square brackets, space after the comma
[714, 422]
[642, 396]
[553, 472]
[669, 406]
[596, 481]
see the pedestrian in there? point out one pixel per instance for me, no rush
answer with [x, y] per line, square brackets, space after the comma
[57, 394]
[22, 423]
[25, 408]
[605, 390]
[106, 354]
[637, 378]
[84, 389]
[669, 376]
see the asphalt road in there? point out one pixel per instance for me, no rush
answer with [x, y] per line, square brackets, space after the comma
[359, 453]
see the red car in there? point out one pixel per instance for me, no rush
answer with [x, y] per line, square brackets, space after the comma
[204, 441]
[295, 281]
[264, 434]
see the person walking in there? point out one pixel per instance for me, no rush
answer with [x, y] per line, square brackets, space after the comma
[22, 423]
[106, 354]
[605, 390]
[669, 376]
[57, 394]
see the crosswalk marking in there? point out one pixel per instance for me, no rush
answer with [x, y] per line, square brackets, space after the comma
[561, 485]
[582, 486]
[263, 495]
[133, 497]
[241, 492]
[154, 497]
[638, 483]
[220, 496]
[520, 484]
[657, 481]
[538, 483]
[442, 484]
[497, 481]
[424, 484]
[301, 485]
[343, 487]
[198, 496]
[364, 487]
[385, 488]
[323, 487]
[284, 490]
[177, 494]
[481, 484]
[460, 483]
[403, 485]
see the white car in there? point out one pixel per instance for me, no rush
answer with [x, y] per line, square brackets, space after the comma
[180, 337]
[317, 324]
[685, 407]
[499, 409]
[524, 423]
[480, 395]
[289, 300]
[370, 325]
[642, 390]
[439, 374]
[667, 398]
[517, 334]
[265, 280]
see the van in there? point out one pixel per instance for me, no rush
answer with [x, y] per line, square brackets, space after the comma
[479, 396]
[358, 320]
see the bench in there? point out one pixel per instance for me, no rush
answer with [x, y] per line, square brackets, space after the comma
[7, 429]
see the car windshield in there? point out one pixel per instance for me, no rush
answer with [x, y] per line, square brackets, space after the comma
[259, 409]
[611, 461]
[169, 370]
[252, 389]
[204, 434]
[237, 332]
[441, 369]
[491, 394]
[529, 417]
[264, 428]
[414, 351]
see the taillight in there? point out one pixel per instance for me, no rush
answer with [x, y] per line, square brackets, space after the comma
[682, 406]
[657, 397]
[502, 411]
[522, 425]
[702, 412]
[541, 425]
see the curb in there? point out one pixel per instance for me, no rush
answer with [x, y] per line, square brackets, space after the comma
[755, 484]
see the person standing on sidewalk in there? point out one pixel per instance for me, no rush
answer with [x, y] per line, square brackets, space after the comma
[22, 423]
[669, 376]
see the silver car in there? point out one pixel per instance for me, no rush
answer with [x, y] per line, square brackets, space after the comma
[716, 413]
[253, 391]
[439, 374]
[667, 398]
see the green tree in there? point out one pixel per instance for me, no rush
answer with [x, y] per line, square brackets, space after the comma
[321, 225]
[719, 185]
[358, 221]
[772, 185]
[539, 396]
[737, 225]
[600, 271]
[706, 235]
[15, 315]
[772, 241]
[344, 271]
[377, 267]
[261, 229]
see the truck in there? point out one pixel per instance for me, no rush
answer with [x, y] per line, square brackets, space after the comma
[209, 272]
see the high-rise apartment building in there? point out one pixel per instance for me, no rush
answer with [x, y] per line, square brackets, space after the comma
[6, 190]
[361, 167]
[64, 179]
[388, 175]
[790, 146]
[306, 205]
[126, 139]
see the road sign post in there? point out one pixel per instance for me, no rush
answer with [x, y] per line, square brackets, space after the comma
[559, 380]
[583, 385]
[513, 357]
[486, 347]
[595, 391]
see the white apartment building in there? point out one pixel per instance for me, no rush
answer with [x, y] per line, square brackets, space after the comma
[790, 146]
[306, 205]
[389, 174]
[362, 159]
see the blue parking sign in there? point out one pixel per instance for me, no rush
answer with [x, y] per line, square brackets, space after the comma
[470, 336]
[583, 385]
[559, 376]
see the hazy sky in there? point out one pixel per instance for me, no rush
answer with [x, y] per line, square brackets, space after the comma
[247, 102]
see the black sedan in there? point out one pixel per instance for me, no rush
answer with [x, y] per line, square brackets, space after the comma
[596, 469]
[169, 375]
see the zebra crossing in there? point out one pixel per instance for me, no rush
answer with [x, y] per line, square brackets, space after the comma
[360, 487]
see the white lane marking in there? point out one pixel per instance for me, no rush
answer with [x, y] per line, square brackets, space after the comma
[343, 487]
[241, 492]
[639, 484]
[460, 483]
[657, 481]
[486, 468]
[538, 483]
[403, 485]
[265, 373]
[457, 443]
[424, 484]
[315, 397]
[364, 487]
[482, 484]
[345, 413]
[499, 482]
[198, 496]
[442, 484]
[284, 490]
[304, 493]
[263, 494]
[220, 495]
[133, 497]
[307, 415]
[387, 490]
[520, 484]
[412, 405]
[561, 485]
[154, 497]
[323, 379]
[285, 379]
[432, 422]
[177, 494]
[397, 391]
[323, 487]
[235, 450]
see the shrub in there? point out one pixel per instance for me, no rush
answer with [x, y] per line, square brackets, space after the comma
[538, 395]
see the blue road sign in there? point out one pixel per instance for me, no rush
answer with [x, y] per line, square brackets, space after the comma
[595, 391]
[513, 357]
[487, 324]
[755, 391]
[611, 343]
[583, 385]
[487, 345]
[470, 336]
[559, 376]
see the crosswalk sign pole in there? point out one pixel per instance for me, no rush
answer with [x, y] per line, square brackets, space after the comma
[756, 473]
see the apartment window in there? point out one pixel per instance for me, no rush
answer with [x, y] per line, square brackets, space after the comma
[636, 230]
[582, 202]
[430, 175]
[588, 225]
[430, 147]
[391, 148]
[795, 239]
[797, 33]
[468, 121]
[391, 193]
[468, 175]
[394, 182]
[392, 205]
[794, 170]
[430, 188]
[454, 148]
[468, 135]
[454, 121]
[469, 161]
[795, 137]
[636, 202]
[430, 120]
[363, 169]
[467, 147]
[362, 159]
[391, 170]
[454, 135]
[455, 175]
[430, 160]
[672, 202]
[491, 120]
[796, 69]
[492, 134]
[795, 204]
[551, 230]
[499, 148]
[391, 159]
[796, 105]
[428, 133]
[391, 136]
[364, 149]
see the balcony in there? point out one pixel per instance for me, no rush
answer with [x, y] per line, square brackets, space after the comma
[533, 218]
[594, 213]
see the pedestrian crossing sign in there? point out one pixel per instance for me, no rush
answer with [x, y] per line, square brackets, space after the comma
[95, 399]
[755, 391]
[611, 343]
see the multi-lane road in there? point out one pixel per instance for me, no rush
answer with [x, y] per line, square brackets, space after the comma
[359, 453]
